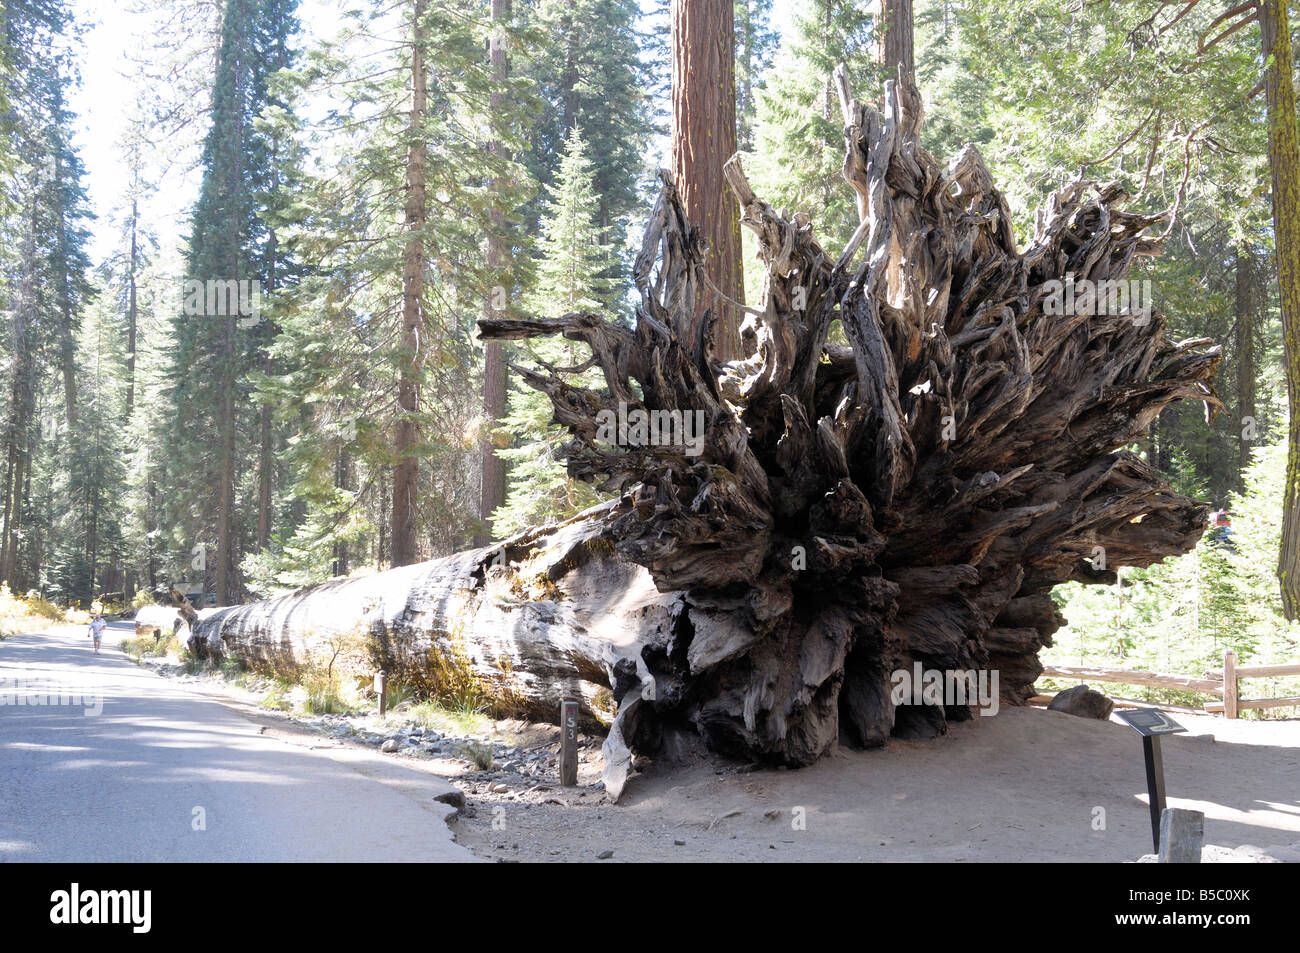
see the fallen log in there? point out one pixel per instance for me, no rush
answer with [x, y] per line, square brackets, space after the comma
[791, 528]
[549, 615]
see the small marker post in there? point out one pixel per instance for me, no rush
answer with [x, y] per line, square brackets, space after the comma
[381, 690]
[568, 743]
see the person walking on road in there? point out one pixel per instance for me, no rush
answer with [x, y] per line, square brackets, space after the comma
[97, 625]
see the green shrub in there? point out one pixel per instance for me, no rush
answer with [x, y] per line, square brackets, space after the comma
[465, 720]
[276, 697]
[138, 646]
[396, 694]
[145, 646]
[477, 752]
[326, 695]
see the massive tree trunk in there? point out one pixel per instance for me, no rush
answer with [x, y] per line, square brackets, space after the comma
[492, 471]
[896, 47]
[703, 138]
[1284, 159]
[846, 512]
[406, 471]
[550, 614]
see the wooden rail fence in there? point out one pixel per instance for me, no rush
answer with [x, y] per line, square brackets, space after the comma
[1227, 686]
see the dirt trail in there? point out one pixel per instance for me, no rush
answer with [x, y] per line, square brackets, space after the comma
[1023, 785]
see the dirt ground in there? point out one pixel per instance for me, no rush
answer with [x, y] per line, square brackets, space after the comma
[1024, 785]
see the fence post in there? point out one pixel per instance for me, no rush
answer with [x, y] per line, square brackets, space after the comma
[1229, 684]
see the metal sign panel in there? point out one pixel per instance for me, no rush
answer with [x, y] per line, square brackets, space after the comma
[1150, 721]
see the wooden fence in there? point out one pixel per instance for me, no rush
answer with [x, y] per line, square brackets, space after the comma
[1227, 686]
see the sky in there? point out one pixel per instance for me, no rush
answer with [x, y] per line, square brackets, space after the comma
[97, 104]
[100, 102]
[111, 31]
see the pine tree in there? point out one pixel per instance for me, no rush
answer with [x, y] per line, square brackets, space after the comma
[341, 356]
[130, 281]
[232, 256]
[798, 134]
[588, 67]
[573, 262]
[756, 43]
[91, 482]
[45, 273]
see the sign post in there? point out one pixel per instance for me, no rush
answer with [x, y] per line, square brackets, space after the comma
[1151, 723]
[381, 689]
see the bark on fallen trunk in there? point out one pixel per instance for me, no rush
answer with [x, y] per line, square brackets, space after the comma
[551, 614]
[911, 496]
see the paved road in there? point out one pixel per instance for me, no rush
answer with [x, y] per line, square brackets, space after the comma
[131, 781]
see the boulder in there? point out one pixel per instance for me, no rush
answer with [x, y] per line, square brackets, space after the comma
[1082, 701]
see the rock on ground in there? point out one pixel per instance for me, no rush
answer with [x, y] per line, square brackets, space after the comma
[1082, 701]
[1245, 854]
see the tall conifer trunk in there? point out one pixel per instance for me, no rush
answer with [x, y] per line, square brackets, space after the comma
[703, 139]
[492, 486]
[405, 488]
[1284, 159]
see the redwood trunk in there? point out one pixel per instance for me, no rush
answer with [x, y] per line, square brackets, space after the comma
[492, 478]
[406, 472]
[896, 46]
[703, 139]
[1245, 302]
[1284, 159]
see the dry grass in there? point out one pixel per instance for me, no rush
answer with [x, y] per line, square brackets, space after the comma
[20, 614]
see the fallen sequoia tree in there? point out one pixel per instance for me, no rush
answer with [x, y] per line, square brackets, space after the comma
[847, 510]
